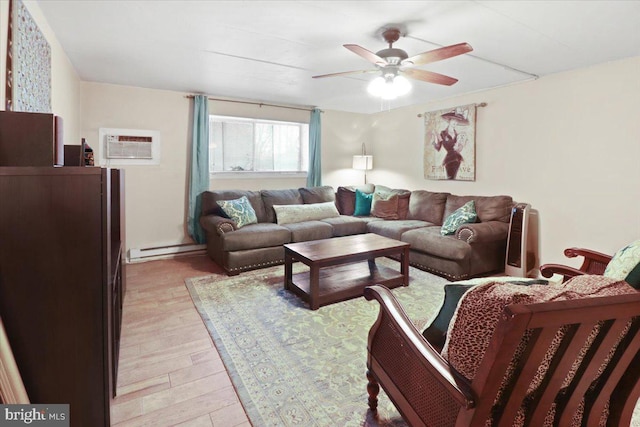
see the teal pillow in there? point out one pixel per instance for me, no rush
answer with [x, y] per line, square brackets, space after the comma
[363, 203]
[239, 210]
[465, 214]
[625, 265]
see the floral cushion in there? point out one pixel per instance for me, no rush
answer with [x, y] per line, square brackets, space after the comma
[239, 210]
[625, 265]
[465, 214]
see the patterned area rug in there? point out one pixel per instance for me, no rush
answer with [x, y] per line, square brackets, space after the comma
[295, 367]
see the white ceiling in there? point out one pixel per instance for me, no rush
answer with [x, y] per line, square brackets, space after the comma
[268, 50]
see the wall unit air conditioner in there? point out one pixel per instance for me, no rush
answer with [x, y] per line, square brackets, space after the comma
[120, 147]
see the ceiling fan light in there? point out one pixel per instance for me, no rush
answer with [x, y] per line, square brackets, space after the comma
[389, 87]
[401, 85]
[376, 86]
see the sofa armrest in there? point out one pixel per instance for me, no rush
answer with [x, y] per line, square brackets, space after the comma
[482, 232]
[217, 224]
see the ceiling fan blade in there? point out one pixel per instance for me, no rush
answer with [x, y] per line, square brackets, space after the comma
[430, 76]
[344, 73]
[438, 54]
[366, 54]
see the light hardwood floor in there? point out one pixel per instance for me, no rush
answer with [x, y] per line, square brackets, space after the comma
[170, 373]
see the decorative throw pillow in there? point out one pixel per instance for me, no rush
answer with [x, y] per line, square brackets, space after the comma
[239, 210]
[384, 205]
[363, 203]
[466, 214]
[625, 265]
[289, 214]
[346, 200]
[436, 332]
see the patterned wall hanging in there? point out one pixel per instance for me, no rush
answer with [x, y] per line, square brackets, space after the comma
[28, 82]
[449, 144]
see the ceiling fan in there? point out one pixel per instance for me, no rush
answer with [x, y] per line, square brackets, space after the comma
[393, 63]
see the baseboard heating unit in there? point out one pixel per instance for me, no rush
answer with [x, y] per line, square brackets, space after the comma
[147, 254]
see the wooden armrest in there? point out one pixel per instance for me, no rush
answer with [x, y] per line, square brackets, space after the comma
[587, 253]
[548, 270]
[412, 341]
[594, 263]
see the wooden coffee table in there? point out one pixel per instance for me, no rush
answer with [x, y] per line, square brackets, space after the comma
[335, 273]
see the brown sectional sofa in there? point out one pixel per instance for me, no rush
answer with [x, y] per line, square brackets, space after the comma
[475, 249]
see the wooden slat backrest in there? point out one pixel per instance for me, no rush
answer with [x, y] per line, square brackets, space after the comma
[617, 316]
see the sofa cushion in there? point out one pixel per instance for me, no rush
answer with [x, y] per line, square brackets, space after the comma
[346, 197]
[255, 236]
[394, 228]
[384, 205]
[489, 208]
[429, 241]
[625, 265]
[344, 225]
[427, 206]
[239, 210]
[289, 214]
[309, 230]
[465, 214]
[317, 194]
[363, 203]
[210, 207]
[279, 197]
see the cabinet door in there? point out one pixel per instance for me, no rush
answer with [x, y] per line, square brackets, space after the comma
[30, 139]
[52, 288]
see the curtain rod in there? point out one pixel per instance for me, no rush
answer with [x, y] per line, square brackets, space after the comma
[260, 104]
[482, 104]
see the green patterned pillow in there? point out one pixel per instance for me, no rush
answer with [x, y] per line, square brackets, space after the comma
[625, 265]
[465, 214]
[239, 210]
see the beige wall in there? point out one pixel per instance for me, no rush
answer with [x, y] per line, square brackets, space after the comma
[568, 144]
[65, 83]
[156, 196]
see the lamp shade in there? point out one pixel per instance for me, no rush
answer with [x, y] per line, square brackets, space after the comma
[364, 162]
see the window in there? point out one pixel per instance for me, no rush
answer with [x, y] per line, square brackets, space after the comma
[249, 146]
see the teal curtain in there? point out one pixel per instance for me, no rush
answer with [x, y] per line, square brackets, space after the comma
[313, 176]
[199, 179]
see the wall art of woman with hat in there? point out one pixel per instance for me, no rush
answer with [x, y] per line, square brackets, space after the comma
[452, 141]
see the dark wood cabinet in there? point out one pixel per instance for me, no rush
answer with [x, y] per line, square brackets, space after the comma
[78, 155]
[30, 139]
[62, 283]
